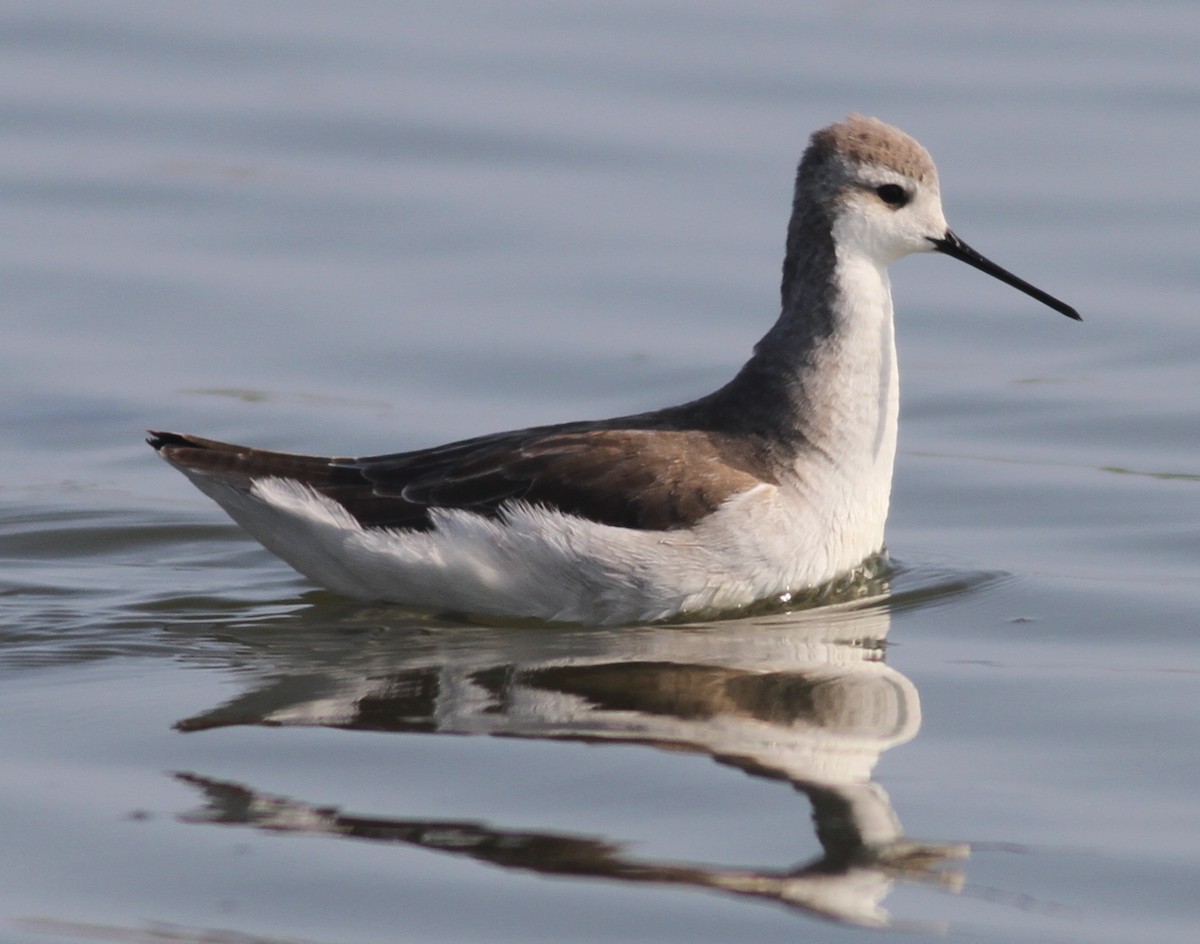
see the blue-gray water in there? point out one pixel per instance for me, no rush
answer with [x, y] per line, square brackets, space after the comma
[364, 227]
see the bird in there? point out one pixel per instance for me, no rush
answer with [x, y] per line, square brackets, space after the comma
[778, 482]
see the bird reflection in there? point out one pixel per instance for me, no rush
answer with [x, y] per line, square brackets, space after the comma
[805, 698]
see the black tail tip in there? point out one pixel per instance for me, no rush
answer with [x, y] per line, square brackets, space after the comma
[159, 439]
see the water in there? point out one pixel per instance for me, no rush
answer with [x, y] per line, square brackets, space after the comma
[369, 227]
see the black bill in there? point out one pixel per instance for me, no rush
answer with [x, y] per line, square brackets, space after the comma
[954, 247]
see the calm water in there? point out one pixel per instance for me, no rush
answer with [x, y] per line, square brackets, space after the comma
[368, 226]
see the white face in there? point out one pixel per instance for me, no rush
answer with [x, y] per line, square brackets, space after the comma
[884, 215]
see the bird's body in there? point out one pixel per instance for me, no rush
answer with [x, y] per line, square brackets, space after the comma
[777, 482]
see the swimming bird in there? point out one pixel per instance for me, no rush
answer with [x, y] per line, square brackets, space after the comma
[777, 482]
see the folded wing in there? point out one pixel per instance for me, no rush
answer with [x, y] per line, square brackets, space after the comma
[647, 479]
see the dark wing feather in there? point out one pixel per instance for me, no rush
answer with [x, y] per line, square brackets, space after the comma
[649, 479]
[652, 479]
[336, 478]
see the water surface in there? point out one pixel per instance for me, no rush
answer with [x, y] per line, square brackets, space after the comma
[372, 228]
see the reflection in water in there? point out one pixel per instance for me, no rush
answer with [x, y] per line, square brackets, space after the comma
[805, 698]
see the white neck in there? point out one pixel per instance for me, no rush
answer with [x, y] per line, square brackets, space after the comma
[855, 386]
[851, 392]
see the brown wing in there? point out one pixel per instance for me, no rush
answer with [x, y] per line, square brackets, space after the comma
[648, 479]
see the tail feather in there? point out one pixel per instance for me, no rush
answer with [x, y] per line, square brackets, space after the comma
[238, 465]
[338, 478]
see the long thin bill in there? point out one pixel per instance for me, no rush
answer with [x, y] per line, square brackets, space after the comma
[954, 247]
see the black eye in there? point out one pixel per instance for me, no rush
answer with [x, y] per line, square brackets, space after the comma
[893, 195]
